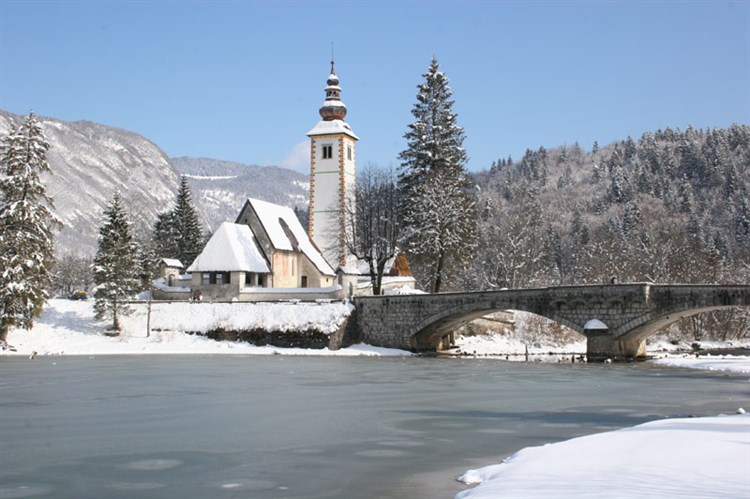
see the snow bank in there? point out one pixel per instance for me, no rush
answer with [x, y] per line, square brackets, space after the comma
[201, 317]
[725, 363]
[662, 343]
[689, 458]
[68, 328]
[500, 345]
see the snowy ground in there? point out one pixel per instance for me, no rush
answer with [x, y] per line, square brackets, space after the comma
[68, 328]
[688, 458]
[726, 363]
[701, 457]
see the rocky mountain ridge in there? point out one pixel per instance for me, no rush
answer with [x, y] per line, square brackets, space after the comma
[89, 161]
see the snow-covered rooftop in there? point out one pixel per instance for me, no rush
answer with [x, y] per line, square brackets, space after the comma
[231, 248]
[171, 262]
[271, 217]
[324, 127]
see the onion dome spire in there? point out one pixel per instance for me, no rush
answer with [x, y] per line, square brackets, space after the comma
[333, 108]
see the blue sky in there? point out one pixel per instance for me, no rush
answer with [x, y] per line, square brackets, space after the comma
[242, 80]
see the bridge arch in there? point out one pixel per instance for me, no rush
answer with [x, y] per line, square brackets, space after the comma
[640, 330]
[632, 311]
[427, 334]
[430, 333]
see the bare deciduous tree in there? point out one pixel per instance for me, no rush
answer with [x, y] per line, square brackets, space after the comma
[373, 236]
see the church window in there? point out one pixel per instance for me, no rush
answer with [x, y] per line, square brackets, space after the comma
[327, 152]
[348, 152]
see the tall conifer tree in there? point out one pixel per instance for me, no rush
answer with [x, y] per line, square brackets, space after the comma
[26, 226]
[437, 210]
[178, 233]
[116, 266]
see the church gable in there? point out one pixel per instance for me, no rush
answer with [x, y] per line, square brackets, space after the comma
[278, 230]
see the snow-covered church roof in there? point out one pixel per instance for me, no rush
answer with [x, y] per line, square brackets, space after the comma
[231, 248]
[274, 218]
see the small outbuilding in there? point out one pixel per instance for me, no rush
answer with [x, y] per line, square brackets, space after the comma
[170, 270]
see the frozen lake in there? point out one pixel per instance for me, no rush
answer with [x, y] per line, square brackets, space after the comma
[308, 427]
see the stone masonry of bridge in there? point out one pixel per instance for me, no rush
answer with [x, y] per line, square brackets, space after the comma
[631, 312]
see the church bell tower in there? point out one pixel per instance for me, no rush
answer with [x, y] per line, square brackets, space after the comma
[332, 176]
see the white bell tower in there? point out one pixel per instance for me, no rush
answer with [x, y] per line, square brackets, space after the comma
[332, 176]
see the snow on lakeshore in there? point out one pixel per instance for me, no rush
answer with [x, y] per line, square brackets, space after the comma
[69, 328]
[203, 317]
[690, 458]
[500, 345]
[725, 363]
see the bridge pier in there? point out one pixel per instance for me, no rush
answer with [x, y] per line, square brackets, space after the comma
[602, 345]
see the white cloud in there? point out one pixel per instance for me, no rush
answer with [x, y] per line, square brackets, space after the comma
[298, 158]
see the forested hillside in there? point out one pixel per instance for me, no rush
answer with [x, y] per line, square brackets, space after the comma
[670, 207]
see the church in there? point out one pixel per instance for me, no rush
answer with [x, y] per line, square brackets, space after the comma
[266, 254]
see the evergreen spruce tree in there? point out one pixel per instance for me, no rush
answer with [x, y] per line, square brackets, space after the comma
[436, 209]
[26, 227]
[188, 226]
[742, 223]
[148, 268]
[165, 236]
[116, 266]
[178, 233]
[686, 195]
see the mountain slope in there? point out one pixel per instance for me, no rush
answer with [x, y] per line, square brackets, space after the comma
[220, 188]
[89, 162]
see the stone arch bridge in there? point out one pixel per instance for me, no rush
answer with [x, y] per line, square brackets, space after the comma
[631, 312]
